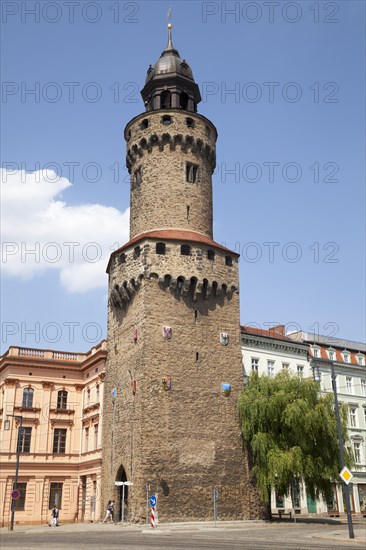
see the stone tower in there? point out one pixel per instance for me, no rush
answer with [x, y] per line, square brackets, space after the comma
[174, 368]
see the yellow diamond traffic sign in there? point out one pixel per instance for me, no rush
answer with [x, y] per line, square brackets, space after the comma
[346, 475]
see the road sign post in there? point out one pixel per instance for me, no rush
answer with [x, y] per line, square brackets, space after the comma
[215, 496]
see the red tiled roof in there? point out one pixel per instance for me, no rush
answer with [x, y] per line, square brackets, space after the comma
[270, 333]
[338, 354]
[174, 235]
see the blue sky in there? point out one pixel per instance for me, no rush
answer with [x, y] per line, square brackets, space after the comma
[288, 190]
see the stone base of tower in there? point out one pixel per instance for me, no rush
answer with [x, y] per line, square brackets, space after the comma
[183, 442]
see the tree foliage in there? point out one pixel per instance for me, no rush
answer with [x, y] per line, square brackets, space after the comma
[290, 431]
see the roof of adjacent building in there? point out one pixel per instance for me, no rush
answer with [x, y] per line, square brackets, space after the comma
[275, 333]
[332, 341]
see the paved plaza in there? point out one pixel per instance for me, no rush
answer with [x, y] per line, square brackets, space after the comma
[281, 535]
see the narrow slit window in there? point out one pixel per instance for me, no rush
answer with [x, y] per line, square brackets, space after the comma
[188, 209]
[197, 356]
[191, 172]
[137, 177]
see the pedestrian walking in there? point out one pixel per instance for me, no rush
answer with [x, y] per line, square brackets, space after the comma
[54, 516]
[110, 511]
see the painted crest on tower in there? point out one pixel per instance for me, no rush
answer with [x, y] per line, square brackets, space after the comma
[224, 338]
[167, 332]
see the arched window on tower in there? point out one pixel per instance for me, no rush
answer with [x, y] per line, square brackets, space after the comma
[160, 248]
[166, 100]
[185, 250]
[183, 101]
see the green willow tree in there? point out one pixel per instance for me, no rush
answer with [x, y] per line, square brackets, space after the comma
[290, 432]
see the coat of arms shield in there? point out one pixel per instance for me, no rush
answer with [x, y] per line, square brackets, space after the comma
[167, 332]
[224, 338]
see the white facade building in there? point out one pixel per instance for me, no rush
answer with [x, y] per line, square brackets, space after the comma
[348, 358]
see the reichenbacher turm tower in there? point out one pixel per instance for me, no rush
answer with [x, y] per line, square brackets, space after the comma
[174, 368]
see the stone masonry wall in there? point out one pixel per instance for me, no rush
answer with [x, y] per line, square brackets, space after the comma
[163, 198]
[184, 441]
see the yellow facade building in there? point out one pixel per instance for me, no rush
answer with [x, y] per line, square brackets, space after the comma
[52, 403]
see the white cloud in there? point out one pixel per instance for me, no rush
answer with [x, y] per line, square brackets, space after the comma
[40, 232]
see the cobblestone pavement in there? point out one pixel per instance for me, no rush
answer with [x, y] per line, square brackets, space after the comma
[282, 535]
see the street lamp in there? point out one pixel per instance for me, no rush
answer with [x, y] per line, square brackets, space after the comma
[18, 451]
[340, 437]
[123, 483]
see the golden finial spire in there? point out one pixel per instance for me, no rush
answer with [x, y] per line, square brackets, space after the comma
[170, 43]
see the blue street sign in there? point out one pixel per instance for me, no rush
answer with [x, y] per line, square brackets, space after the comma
[153, 500]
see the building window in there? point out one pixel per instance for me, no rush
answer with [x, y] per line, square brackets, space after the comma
[96, 430]
[286, 366]
[137, 178]
[62, 399]
[185, 250]
[363, 387]
[59, 440]
[24, 440]
[166, 120]
[27, 397]
[300, 371]
[183, 101]
[360, 359]
[191, 172]
[136, 251]
[144, 124]
[122, 258]
[160, 248]
[20, 503]
[208, 132]
[346, 357]
[349, 385]
[228, 260]
[352, 417]
[97, 393]
[210, 255]
[255, 364]
[86, 446]
[315, 352]
[166, 100]
[88, 395]
[331, 355]
[55, 496]
[280, 501]
[190, 122]
[357, 452]
[270, 368]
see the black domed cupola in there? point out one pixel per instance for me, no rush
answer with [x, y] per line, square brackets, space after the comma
[169, 83]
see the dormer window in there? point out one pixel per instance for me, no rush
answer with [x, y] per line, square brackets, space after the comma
[316, 351]
[191, 172]
[346, 357]
[360, 359]
[331, 355]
